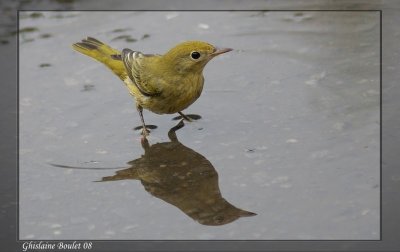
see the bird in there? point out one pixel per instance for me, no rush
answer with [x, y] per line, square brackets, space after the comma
[162, 84]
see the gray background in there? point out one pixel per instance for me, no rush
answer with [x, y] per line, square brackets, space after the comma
[389, 137]
[290, 122]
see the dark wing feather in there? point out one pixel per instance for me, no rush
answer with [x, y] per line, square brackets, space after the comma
[132, 62]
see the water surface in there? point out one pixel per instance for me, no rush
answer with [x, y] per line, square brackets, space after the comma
[289, 130]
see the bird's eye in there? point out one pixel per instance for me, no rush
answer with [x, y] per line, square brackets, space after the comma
[195, 55]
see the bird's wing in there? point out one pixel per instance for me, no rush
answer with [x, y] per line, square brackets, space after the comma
[133, 63]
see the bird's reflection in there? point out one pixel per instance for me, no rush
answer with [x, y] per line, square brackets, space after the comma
[182, 177]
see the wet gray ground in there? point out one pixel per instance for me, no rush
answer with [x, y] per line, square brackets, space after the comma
[290, 125]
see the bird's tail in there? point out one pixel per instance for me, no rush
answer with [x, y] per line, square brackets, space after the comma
[103, 53]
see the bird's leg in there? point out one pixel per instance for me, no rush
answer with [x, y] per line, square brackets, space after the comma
[145, 131]
[185, 117]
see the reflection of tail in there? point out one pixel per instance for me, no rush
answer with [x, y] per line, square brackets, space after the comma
[103, 53]
[85, 168]
[121, 175]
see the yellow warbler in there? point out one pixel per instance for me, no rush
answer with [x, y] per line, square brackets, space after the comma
[163, 84]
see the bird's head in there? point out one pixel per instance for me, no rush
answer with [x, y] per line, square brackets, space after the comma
[192, 56]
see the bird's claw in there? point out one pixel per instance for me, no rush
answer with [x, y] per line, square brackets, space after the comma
[145, 132]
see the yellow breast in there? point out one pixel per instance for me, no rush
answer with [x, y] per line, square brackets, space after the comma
[175, 96]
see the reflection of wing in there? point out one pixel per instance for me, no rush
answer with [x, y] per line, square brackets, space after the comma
[133, 64]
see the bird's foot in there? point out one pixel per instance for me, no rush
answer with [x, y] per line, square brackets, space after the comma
[185, 117]
[188, 117]
[145, 132]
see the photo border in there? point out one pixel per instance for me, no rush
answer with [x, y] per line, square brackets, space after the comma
[389, 179]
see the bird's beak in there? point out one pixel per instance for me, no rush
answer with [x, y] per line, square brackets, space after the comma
[219, 51]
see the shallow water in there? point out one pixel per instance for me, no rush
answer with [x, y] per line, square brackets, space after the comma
[289, 129]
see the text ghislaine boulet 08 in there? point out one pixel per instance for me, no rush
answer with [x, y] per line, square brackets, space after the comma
[40, 245]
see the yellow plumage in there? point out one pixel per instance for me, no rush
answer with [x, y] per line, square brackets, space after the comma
[102, 52]
[163, 84]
